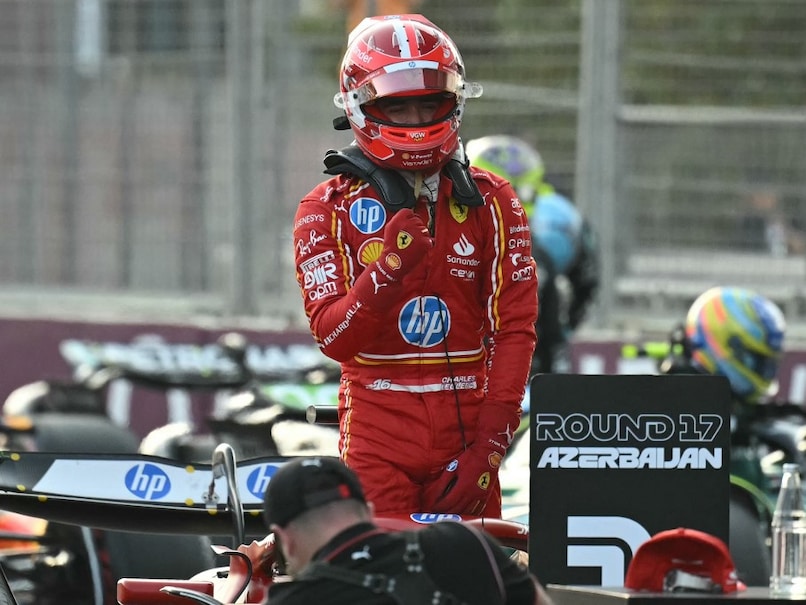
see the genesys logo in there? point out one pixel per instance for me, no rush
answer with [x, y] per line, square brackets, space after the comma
[148, 481]
[258, 480]
[605, 543]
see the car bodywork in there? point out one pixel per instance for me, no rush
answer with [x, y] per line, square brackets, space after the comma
[142, 493]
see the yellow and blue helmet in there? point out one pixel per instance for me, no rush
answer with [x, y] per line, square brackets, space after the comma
[739, 334]
[556, 227]
[513, 159]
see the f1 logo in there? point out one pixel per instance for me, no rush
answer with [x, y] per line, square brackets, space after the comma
[610, 558]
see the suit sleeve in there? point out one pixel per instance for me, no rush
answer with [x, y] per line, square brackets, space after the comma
[343, 306]
[511, 293]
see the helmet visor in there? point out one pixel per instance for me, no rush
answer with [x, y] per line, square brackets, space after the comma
[762, 364]
[403, 79]
[434, 108]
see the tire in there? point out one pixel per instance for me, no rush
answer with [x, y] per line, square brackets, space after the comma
[6, 596]
[748, 542]
[158, 555]
[85, 433]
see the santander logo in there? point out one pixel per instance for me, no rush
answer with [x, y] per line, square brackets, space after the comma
[463, 247]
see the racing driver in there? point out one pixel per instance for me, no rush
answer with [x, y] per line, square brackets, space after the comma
[417, 276]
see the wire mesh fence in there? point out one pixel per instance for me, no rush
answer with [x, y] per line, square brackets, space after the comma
[152, 152]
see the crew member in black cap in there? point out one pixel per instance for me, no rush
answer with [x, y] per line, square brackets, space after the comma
[333, 552]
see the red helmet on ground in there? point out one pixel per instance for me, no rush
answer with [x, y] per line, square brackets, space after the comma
[403, 55]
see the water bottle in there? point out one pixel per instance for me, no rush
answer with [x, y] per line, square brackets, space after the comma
[788, 577]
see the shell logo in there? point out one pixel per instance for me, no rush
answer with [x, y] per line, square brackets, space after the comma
[393, 261]
[417, 137]
[370, 251]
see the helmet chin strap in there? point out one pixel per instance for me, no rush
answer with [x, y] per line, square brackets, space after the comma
[423, 184]
[418, 184]
[430, 193]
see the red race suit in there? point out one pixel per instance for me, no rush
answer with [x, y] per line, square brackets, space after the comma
[450, 357]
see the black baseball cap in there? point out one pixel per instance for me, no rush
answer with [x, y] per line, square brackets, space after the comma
[306, 483]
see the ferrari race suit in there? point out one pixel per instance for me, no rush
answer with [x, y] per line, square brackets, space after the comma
[447, 363]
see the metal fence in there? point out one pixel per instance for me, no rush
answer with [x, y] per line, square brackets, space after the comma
[152, 152]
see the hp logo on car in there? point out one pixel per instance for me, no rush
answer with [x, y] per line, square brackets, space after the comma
[258, 479]
[434, 517]
[148, 481]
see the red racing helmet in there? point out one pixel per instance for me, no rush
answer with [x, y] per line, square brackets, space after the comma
[403, 55]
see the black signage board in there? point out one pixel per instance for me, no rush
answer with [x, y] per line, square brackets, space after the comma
[616, 459]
